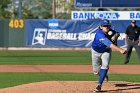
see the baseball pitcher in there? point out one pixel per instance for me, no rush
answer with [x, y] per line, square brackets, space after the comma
[102, 46]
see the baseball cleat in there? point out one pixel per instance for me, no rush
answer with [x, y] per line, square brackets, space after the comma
[98, 88]
[106, 78]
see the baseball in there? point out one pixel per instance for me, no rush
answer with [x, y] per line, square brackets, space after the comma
[110, 33]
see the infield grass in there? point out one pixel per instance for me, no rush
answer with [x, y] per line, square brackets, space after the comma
[14, 79]
[56, 57]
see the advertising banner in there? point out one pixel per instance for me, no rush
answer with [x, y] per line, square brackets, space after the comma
[60, 33]
[111, 15]
[106, 3]
[56, 33]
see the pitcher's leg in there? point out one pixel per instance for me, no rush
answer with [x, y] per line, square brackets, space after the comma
[106, 57]
[96, 62]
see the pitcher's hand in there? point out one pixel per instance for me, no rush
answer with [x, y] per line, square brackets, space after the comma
[123, 51]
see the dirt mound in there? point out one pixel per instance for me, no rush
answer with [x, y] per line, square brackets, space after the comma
[73, 87]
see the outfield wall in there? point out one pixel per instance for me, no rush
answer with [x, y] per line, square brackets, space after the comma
[56, 33]
[4, 32]
[12, 34]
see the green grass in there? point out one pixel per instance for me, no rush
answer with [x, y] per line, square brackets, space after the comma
[56, 57]
[118, 58]
[59, 57]
[14, 79]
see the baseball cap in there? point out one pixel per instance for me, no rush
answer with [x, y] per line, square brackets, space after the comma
[105, 23]
[133, 21]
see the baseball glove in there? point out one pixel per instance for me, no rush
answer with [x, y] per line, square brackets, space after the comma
[114, 36]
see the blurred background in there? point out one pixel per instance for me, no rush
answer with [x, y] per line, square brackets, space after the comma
[20, 20]
[45, 9]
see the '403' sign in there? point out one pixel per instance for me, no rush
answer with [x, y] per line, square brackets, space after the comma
[16, 23]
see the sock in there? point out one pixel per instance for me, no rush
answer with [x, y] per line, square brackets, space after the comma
[103, 73]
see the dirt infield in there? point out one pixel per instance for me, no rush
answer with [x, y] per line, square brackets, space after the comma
[71, 86]
[121, 69]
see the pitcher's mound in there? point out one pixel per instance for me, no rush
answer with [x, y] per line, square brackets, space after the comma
[73, 87]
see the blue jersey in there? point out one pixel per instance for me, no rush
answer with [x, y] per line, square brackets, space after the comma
[101, 42]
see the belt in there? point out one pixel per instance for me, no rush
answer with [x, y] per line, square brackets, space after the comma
[132, 39]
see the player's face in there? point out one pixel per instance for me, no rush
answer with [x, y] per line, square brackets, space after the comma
[133, 24]
[105, 28]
